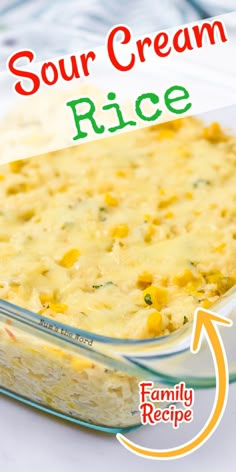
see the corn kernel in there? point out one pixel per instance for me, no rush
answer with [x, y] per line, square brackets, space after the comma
[41, 312]
[206, 303]
[223, 212]
[58, 307]
[197, 294]
[63, 188]
[172, 125]
[154, 322]
[214, 277]
[55, 350]
[183, 151]
[155, 296]
[27, 215]
[219, 248]
[189, 195]
[120, 173]
[165, 134]
[169, 215]
[105, 187]
[69, 258]
[183, 279]
[16, 166]
[2, 177]
[149, 233]
[224, 284]
[191, 286]
[147, 217]
[167, 201]
[120, 231]
[145, 279]
[214, 133]
[233, 276]
[156, 221]
[45, 298]
[176, 124]
[17, 188]
[80, 363]
[110, 200]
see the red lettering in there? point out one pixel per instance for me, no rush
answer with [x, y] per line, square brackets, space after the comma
[157, 415]
[143, 392]
[74, 69]
[188, 416]
[166, 415]
[210, 29]
[146, 412]
[85, 58]
[44, 73]
[140, 46]
[186, 40]
[155, 395]
[167, 395]
[160, 42]
[110, 47]
[22, 73]
[178, 417]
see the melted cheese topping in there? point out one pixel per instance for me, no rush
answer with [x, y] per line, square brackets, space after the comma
[124, 236]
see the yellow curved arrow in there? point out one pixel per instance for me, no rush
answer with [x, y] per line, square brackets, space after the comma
[207, 320]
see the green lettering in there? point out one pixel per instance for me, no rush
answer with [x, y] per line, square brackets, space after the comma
[122, 124]
[85, 116]
[184, 95]
[154, 99]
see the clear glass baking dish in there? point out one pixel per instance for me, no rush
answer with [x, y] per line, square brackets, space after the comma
[93, 380]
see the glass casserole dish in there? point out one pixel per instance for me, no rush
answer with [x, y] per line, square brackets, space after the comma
[87, 386]
[90, 376]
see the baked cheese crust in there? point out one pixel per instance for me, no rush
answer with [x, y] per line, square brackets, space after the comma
[123, 236]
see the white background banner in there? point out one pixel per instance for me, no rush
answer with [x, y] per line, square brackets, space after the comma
[42, 122]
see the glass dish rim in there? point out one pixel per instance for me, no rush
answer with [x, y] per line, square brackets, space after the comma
[23, 313]
[123, 363]
[32, 320]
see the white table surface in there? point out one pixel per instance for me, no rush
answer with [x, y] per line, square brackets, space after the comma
[34, 441]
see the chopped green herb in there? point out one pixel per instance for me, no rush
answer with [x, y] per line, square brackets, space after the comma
[102, 211]
[82, 313]
[199, 182]
[103, 285]
[186, 320]
[148, 299]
